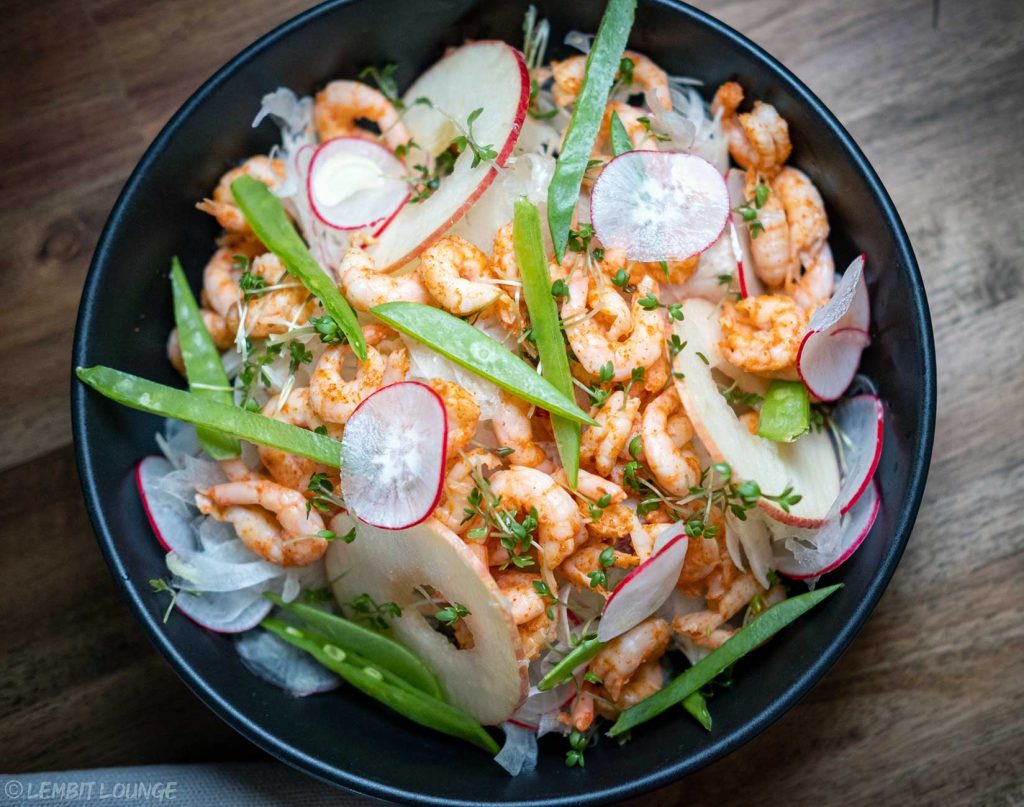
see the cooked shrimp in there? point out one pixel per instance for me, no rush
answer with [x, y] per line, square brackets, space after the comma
[536, 635]
[220, 281]
[334, 397]
[453, 270]
[582, 714]
[758, 139]
[578, 567]
[462, 410]
[390, 345]
[636, 123]
[514, 430]
[275, 311]
[524, 603]
[592, 345]
[668, 451]
[601, 445]
[648, 679]
[705, 628]
[762, 334]
[752, 420]
[818, 281]
[646, 75]
[365, 287]
[223, 207]
[503, 255]
[620, 659]
[220, 333]
[270, 519]
[458, 484]
[560, 527]
[612, 311]
[291, 470]
[805, 211]
[341, 104]
[775, 261]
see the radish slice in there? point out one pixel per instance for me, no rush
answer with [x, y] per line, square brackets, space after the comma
[169, 517]
[836, 336]
[834, 543]
[860, 428]
[354, 183]
[739, 232]
[644, 589]
[225, 611]
[659, 205]
[393, 456]
[275, 661]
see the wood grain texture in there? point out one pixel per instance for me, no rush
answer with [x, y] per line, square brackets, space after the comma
[927, 707]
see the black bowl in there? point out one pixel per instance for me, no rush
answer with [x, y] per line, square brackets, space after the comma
[125, 316]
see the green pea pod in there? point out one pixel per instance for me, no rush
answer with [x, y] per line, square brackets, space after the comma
[563, 670]
[266, 216]
[416, 706]
[533, 268]
[700, 674]
[203, 369]
[168, 402]
[598, 78]
[619, 136]
[786, 412]
[378, 649]
[478, 353]
[696, 705]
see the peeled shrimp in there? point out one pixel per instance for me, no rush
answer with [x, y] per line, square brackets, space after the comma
[270, 519]
[219, 331]
[335, 398]
[758, 139]
[611, 310]
[818, 281]
[524, 603]
[513, 429]
[593, 346]
[667, 449]
[274, 311]
[536, 635]
[601, 445]
[579, 565]
[453, 270]
[220, 281]
[620, 659]
[462, 410]
[365, 287]
[648, 679]
[560, 527]
[390, 345]
[775, 262]
[458, 484]
[762, 334]
[290, 470]
[223, 207]
[341, 104]
[568, 75]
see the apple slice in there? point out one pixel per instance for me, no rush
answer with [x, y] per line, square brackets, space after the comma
[169, 517]
[836, 336]
[393, 455]
[645, 588]
[704, 316]
[488, 680]
[803, 558]
[750, 284]
[860, 427]
[809, 464]
[486, 75]
[659, 205]
[354, 183]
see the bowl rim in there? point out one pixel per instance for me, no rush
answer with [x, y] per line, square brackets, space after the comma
[334, 775]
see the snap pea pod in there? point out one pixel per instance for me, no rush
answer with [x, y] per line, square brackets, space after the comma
[157, 399]
[478, 353]
[598, 78]
[786, 412]
[266, 216]
[742, 642]
[378, 649]
[619, 136]
[202, 362]
[416, 706]
[533, 269]
[696, 705]
[563, 670]
[356, 660]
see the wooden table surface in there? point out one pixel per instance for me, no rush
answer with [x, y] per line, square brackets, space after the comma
[927, 707]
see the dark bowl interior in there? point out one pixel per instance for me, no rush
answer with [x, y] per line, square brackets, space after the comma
[126, 314]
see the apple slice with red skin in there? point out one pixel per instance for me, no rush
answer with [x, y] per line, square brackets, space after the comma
[750, 284]
[836, 336]
[809, 464]
[487, 75]
[835, 543]
[488, 680]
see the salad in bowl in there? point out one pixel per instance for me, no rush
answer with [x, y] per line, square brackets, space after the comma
[526, 398]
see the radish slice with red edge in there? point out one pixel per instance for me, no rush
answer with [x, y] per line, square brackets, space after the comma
[835, 543]
[836, 336]
[170, 518]
[750, 284]
[659, 205]
[393, 456]
[860, 423]
[646, 587]
[354, 183]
